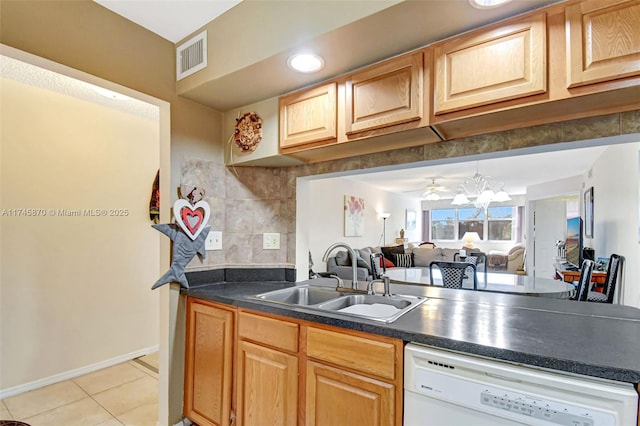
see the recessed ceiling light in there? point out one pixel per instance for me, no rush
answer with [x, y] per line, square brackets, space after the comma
[305, 62]
[487, 4]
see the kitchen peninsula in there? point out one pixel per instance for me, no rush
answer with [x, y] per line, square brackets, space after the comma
[596, 340]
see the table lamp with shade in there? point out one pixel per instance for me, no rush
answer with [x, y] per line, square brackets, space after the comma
[469, 238]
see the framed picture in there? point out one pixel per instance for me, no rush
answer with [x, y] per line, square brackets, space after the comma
[410, 220]
[353, 216]
[588, 213]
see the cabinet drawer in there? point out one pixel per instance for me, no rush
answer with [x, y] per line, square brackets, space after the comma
[270, 331]
[376, 357]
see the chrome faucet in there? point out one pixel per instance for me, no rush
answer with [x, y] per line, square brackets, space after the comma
[383, 279]
[354, 260]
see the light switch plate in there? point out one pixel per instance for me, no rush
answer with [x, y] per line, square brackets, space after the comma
[213, 241]
[271, 241]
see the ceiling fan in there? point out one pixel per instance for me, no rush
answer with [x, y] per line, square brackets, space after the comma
[431, 193]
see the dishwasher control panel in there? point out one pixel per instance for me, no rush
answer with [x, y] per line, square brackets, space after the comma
[536, 408]
[505, 402]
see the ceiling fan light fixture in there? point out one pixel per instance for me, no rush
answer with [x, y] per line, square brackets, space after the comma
[431, 196]
[305, 62]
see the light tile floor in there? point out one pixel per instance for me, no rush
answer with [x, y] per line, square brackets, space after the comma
[125, 394]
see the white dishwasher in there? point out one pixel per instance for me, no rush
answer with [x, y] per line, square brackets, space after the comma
[445, 388]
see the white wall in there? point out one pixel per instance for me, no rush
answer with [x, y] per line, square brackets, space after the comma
[561, 194]
[550, 226]
[614, 177]
[75, 291]
[324, 212]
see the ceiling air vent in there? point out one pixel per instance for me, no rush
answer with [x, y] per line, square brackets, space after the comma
[191, 56]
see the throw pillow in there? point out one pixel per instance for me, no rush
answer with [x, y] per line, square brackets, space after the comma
[363, 264]
[387, 263]
[403, 260]
[364, 254]
[342, 259]
[391, 250]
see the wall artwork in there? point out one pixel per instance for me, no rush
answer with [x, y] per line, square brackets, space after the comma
[353, 216]
[588, 213]
[188, 235]
[410, 220]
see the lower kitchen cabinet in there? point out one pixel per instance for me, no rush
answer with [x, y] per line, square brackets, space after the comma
[338, 397]
[208, 363]
[273, 370]
[267, 386]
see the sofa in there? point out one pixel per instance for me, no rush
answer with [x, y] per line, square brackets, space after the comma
[340, 263]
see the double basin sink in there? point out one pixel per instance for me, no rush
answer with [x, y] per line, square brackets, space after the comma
[328, 299]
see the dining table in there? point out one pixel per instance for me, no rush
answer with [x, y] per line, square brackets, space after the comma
[499, 282]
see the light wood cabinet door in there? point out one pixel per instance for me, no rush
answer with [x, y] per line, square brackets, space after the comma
[385, 94]
[603, 41]
[308, 116]
[491, 65]
[335, 397]
[208, 364]
[267, 386]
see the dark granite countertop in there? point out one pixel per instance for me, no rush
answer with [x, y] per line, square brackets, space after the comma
[591, 339]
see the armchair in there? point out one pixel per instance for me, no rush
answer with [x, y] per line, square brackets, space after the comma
[515, 259]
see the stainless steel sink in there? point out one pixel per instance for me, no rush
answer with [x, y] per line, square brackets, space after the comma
[300, 295]
[374, 307]
[397, 302]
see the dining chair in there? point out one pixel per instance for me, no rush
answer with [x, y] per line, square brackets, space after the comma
[585, 281]
[454, 273]
[476, 258]
[377, 265]
[614, 270]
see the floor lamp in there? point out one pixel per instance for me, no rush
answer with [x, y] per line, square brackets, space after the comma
[384, 217]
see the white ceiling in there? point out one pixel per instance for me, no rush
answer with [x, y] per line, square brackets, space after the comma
[170, 19]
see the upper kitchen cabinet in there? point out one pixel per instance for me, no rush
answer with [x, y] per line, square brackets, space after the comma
[309, 116]
[377, 108]
[500, 63]
[603, 41]
[385, 94]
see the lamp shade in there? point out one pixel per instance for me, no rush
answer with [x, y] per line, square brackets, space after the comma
[469, 238]
[385, 215]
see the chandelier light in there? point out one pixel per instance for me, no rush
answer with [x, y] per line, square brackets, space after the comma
[480, 191]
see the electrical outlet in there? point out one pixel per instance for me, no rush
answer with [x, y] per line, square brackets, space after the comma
[270, 241]
[213, 241]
